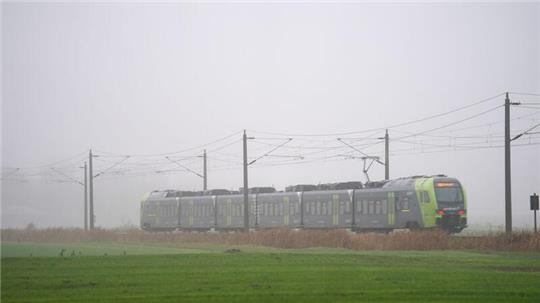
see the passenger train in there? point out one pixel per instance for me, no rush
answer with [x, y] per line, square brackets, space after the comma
[419, 202]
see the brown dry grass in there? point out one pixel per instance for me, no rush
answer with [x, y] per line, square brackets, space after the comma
[284, 238]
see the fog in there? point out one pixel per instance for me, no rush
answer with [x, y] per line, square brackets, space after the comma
[147, 80]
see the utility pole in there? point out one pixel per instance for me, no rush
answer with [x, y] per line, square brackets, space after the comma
[386, 157]
[507, 167]
[91, 195]
[246, 188]
[205, 180]
[85, 197]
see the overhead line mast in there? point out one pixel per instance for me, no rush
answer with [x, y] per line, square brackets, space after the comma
[246, 189]
[91, 189]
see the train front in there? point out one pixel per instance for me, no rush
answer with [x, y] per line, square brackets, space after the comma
[451, 204]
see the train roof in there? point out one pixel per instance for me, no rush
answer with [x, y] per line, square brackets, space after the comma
[405, 182]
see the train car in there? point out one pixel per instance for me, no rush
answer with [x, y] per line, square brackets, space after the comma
[419, 202]
[276, 210]
[327, 209]
[159, 211]
[197, 212]
[230, 211]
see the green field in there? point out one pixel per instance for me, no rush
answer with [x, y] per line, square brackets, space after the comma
[203, 273]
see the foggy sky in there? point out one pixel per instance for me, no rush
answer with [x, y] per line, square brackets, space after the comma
[134, 79]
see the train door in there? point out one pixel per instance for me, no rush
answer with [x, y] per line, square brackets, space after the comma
[191, 213]
[407, 210]
[335, 209]
[228, 212]
[286, 210]
[391, 209]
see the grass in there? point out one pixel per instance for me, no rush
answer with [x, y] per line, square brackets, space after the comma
[28, 249]
[197, 272]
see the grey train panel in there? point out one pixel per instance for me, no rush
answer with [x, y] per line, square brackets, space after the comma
[327, 209]
[279, 210]
[373, 209]
[407, 209]
[197, 212]
[160, 214]
[230, 211]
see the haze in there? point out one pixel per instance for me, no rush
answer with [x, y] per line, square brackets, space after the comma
[149, 79]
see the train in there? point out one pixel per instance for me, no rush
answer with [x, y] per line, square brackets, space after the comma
[417, 202]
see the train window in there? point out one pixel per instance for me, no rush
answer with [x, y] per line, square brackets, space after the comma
[323, 209]
[318, 208]
[384, 206]
[364, 207]
[347, 207]
[425, 197]
[171, 194]
[403, 204]
[378, 207]
[342, 208]
[371, 207]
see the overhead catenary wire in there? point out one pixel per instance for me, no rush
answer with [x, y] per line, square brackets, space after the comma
[112, 166]
[298, 151]
[385, 127]
[182, 150]
[453, 123]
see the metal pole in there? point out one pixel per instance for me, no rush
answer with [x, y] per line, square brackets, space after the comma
[91, 195]
[386, 157]
[205, 180]
[535, 220]
[246, 188]
[85, 197]
[507, 167]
